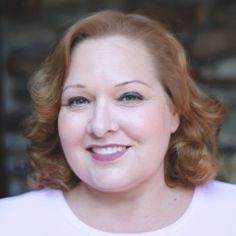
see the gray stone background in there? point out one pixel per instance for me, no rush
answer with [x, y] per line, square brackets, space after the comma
[206, 28]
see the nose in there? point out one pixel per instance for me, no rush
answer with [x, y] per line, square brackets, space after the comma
[102, 120]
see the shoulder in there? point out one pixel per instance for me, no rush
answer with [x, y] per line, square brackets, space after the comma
[218, 190]
[34, 213]
[30, 212]
[218, 198]
[28, 207]
[212, 210]
[28, 199]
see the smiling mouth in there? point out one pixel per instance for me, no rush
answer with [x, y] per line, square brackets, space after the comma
[107, 154]
[108, 150]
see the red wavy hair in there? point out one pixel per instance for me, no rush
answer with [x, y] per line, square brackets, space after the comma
[191, 157]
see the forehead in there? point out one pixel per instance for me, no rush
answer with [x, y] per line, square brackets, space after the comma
[112, 45]
[111, 56]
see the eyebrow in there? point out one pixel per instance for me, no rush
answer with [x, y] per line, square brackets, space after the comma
[132, 81]
[118, 85]
[73, 86]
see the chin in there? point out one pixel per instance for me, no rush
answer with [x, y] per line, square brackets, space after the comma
[114, 186]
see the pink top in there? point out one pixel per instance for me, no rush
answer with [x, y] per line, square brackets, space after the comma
[45, 212]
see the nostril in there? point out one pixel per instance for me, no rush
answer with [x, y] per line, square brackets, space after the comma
[101, 121]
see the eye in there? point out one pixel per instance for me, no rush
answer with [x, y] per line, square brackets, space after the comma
[77, 102]
[130, 97]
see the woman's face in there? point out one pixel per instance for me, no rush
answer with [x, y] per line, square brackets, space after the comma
[115, 120]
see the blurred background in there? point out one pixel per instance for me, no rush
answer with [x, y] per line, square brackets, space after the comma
[29, 28]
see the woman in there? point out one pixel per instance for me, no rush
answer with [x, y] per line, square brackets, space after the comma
[123, 141]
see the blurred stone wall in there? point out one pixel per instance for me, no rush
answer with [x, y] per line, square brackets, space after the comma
[29, 28]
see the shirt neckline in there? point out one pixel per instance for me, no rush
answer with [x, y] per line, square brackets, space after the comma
[174, 227]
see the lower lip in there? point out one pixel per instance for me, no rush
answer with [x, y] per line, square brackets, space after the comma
[108, 157]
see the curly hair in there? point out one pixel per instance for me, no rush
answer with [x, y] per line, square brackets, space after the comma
[191, 158]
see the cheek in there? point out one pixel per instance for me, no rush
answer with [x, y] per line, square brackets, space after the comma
[70, 128]
[151, 123]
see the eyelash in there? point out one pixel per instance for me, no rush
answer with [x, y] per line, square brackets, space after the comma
[130, 97]
[127, 98]
[77, 101]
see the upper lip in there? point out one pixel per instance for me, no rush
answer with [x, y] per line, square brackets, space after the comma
[105, 146]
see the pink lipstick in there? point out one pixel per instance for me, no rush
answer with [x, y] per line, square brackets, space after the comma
[107, 153]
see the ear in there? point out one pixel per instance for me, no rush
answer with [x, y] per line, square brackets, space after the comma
[175, 121]
[175, 117]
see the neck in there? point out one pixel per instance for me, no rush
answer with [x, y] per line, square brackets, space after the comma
[146, 208]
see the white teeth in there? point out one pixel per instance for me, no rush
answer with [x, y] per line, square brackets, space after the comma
[109, 150]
